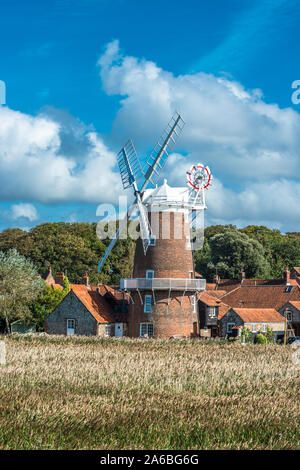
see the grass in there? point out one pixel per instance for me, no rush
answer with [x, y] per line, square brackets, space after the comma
[91, 393]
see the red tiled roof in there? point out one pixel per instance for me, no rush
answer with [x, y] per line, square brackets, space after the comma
[94, 302]
[297, 269]
[295, 304]
[113, 291]
[208, 299]
[263, 296]
[253, 315]
[217, 293]
[212, 301]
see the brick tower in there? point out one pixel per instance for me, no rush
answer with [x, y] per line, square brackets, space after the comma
[163, 288]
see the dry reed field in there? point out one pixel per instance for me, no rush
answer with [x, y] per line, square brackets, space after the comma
[91, 393]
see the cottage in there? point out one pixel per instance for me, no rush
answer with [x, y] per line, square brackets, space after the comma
[86, 311]
[256, 319]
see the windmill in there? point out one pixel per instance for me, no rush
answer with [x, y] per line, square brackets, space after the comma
[131, 172]
[163, 288]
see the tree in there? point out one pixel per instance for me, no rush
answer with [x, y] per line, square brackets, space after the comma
[20, 285]
[232, 251]
[47, 301]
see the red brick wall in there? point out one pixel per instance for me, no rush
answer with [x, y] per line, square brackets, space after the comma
[169, 257]
[175, 319]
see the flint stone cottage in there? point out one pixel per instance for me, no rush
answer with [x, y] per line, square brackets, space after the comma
[90, 311]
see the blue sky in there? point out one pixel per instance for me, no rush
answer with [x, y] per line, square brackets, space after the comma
[228, 66]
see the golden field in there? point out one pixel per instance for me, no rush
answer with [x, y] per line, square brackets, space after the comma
[91, 393]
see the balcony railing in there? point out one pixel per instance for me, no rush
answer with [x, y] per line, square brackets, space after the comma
[163, 284]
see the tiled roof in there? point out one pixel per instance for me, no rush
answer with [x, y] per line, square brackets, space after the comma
[212, 301]
[223, 309]
[113, 291]
[209, 300]
[263, 296]
[217, 293]
[253, 315]
[295, 304]
[94, 302]
[297, 269]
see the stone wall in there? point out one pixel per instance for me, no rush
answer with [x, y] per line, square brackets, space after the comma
[71, 308]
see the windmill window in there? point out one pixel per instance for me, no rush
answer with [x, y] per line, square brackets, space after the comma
[194, 303]
[146, 330]
[149, 274]
[148, 304]
[153, 241]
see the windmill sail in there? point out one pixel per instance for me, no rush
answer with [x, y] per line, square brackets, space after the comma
[145, 228]
[160, 153]
[129, 165]
[115, 239]
[130, 170]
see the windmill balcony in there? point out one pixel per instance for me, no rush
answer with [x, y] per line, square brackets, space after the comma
[163, 284]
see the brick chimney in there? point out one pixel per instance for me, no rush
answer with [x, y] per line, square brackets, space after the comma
[286, 276]
[59, 278]
[242, 275]
[216, 279]
[85, 280]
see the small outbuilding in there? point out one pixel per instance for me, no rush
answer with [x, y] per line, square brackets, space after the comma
[256, 319]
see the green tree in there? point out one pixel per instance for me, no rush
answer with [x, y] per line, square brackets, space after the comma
[20, 285]
[47, 301]
[232, 250]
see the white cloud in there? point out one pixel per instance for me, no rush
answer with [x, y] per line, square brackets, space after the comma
[24, 210]
[53, 159]
[250, 145]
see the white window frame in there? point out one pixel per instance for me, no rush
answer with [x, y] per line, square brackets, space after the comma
[254, 328]
[150, 271]
[107, 327]
[230, 323]
[72, 320]
[146, 326]
[264, 327]
[147, 303]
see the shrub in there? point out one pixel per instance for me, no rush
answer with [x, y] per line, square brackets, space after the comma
[260, 339]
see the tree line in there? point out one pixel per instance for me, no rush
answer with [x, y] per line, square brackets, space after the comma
[75, 249]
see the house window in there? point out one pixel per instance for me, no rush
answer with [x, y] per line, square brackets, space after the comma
[70, 326]
[211, 312]
[153, 241]
[149, 274]
[229, 327]
[288, 289]
[264, 327]
[148, 302]
[254, 328]
[146, 330]
[108, 330]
